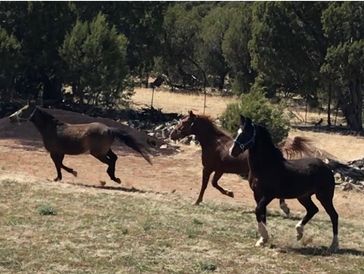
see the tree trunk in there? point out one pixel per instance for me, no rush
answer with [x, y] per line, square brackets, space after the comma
[221, 81]
[146, 80]
[52, 91]
[352, 106]
[329, 106]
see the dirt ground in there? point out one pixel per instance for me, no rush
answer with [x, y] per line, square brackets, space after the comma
[177, 174]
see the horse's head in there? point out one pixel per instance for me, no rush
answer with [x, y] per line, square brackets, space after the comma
[184, 127]
[23, 114]
[245, 138]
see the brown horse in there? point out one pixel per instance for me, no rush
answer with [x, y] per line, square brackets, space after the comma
[215, 145]
[61, 138]
[272, 176]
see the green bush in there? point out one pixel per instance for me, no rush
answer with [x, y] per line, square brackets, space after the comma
[257, 107]
[46, 209]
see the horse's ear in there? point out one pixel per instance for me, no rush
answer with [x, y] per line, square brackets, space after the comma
[32, 103]
[248, 121]
[191, 114]
[40, 98]
[242, 120]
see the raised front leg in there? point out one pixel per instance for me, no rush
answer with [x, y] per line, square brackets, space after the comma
[205, 179]
[69, 170]
[57, 160]
[215, 179]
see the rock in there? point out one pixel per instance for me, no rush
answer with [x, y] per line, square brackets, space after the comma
[348, 186]
[159, 127]
[194, 142]
[337, 177]
[163, 146]
[165, 133]
[186, 140]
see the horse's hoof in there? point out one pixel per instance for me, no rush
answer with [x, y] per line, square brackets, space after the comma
[57, 179]
[117, 180]
[261, 242]
[74, 173]
[197, 203]
[334, 247]
[299, 229]
[230, 194]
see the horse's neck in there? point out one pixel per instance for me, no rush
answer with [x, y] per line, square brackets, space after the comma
[46, 124]
[264, 159]
[206, 136]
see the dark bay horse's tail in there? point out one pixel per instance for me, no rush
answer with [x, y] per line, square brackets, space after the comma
[297, 147]
[132, 142]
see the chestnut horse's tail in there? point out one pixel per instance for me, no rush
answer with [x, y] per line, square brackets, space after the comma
[297, 147]
[132, 142]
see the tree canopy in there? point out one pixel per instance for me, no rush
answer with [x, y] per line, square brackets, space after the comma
[102, 49]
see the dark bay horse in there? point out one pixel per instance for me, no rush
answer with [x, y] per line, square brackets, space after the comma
[272, 176]
[215, 145]
[62, 138]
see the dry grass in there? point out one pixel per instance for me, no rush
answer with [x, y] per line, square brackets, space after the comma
[343, 147]
[99, 231]
[180, 102]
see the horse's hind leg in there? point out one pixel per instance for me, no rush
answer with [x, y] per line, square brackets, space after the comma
[311, 209]
[57, 160]
[284, 207]
[326, 201]
[111, 165]
[111, 169]
[215, 179]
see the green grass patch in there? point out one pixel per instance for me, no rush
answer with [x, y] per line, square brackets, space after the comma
[114, 232]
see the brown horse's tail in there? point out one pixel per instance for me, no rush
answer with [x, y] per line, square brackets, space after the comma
[297, 147]
[132, 142]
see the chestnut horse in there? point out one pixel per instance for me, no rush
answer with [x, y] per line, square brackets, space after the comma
[61, 138]
[272, 176]
[215, 145]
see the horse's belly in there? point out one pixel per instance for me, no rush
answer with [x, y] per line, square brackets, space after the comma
[74, 147]
[293, 191]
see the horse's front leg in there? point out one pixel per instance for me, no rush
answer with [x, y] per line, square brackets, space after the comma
[57, 160]
[260, 213]
[215, 179]
[205, 179]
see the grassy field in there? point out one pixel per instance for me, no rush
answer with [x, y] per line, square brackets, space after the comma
[58, 228]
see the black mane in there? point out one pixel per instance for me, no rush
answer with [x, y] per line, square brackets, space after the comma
[268, 142]
[48, 117]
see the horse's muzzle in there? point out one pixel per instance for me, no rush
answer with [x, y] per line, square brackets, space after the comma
[235, 150]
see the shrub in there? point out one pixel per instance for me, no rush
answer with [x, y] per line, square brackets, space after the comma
[257, 107]
[46, 209]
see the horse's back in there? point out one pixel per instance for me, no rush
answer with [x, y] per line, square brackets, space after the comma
[307, 175]
[75, 139]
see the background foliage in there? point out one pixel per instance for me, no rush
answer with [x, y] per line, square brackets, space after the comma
[257, 107]
[313, 50]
